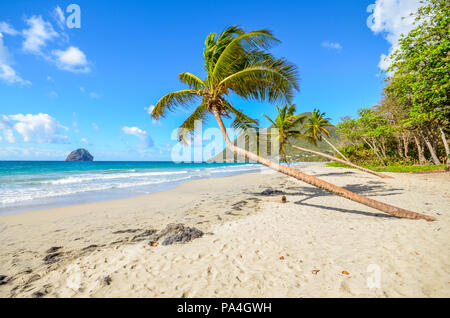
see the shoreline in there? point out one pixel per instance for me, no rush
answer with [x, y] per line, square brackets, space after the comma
[109, 194]
[253, 246]
[92, 204]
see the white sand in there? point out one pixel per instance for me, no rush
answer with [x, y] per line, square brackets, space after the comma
[353, 247]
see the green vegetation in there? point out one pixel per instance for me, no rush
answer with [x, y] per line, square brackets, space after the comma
[292, 154]
[395, 168]
[411, 123]
[314, 130]
[285, 124]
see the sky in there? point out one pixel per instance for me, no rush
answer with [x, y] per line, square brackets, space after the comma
[85, 74]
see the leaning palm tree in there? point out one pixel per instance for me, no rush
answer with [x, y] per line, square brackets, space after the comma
[285, 124]
[316, 131]
[239, 62]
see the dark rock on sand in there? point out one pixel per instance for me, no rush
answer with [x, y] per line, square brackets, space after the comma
[3, 280]
[107, 280]
[238, 205]
[270, 192]
[39, 294]
[126, 231]
[80, 155]
[176, 233]
[33, 278]
[142, 236]
[53, 249]
[51, 258]
[90, 247]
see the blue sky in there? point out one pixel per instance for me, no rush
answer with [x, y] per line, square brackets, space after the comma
[63, 88]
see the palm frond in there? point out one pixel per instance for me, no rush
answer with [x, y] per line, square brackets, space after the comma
[295, 134]
[237, 48]
[187, 128]
[216, 45]
[171, 100]
[295, 120]
[273, 81]
[315, 127]
[191, 80]
[270, 119]
[241, 121]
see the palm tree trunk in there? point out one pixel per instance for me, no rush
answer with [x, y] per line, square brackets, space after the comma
[406, 140]
[444, 140]
[420, 150]
[384, 207]
[348, 163]
[335, 149]
[375, 151]
[430, 147]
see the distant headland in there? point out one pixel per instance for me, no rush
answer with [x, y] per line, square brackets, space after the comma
[80, 155]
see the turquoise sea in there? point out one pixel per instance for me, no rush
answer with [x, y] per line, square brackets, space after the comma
[31, 185]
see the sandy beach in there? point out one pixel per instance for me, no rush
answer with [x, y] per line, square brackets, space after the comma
[314, 245]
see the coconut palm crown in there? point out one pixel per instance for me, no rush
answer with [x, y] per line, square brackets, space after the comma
[316, 127]
[285, 123]
[236, 62]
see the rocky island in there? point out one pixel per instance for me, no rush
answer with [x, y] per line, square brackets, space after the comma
[80, 155]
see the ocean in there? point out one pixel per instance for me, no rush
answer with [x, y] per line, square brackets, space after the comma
[32, 185]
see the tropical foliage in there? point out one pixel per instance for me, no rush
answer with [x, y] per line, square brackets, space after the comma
[411, 124]
[314, 129]
[285, 124]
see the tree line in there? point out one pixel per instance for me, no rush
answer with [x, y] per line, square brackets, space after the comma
[411, 123]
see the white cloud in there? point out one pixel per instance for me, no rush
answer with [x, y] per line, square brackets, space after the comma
[149, 111]
[5, 56]
[95, 126]
[58, 14]
[37, 35]
[5, 28]
[7, 73]
[332, 45]
[146, 140]
[72, 59]
[392, 18]
[6, 127]
[41, 128]
[85, 141]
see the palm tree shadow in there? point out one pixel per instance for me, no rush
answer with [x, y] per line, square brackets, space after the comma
[379, 215]
[333, 174]
[373, 189]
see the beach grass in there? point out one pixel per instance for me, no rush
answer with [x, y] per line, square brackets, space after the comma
[395, 168]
